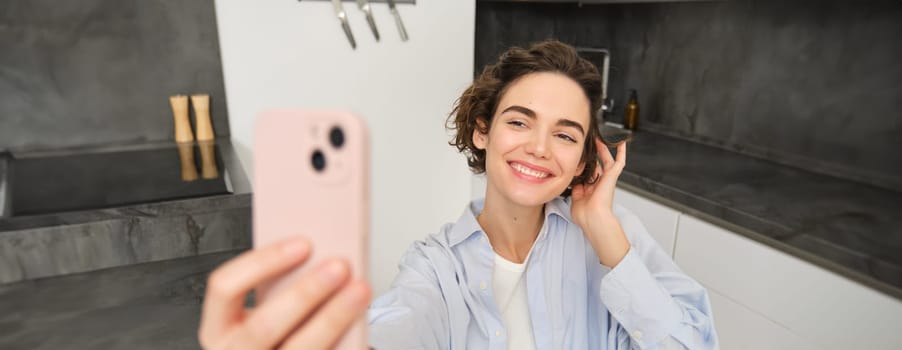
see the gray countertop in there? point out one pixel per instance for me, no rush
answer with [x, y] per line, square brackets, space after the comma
[98, 176]
[60, 243]
[850, 228]
[120, 276]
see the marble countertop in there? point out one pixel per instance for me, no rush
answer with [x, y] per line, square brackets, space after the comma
[60, 243]
[850, 228]
[163, 160]
[120, 276]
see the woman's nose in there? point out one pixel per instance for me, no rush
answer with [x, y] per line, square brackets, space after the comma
[537, 146]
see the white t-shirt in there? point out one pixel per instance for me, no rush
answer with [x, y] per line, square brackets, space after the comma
[509, 286]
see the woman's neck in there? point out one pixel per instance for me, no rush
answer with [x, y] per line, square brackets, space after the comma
[512, 229]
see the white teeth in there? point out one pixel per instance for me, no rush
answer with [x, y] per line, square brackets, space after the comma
[528, 171]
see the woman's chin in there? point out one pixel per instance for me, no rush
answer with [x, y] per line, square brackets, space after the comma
[532, 198]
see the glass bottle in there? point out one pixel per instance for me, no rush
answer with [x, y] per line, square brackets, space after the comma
[631, 115]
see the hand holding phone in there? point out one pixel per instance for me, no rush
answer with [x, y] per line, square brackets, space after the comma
[307, 314]
[311, 180]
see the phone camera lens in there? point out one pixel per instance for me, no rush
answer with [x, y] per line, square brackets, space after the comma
[319, 160]
[336, 137]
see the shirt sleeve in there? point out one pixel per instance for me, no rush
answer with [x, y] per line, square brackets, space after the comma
[412, 314]
[655, 305]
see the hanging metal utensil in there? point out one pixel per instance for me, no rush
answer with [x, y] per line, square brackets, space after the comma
[343, 17]
[398, 22]
[364, 5]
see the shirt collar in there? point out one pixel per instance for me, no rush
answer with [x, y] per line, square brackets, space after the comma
[467, 225]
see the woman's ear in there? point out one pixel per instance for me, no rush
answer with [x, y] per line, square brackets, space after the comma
[480, 139]
[581, 168]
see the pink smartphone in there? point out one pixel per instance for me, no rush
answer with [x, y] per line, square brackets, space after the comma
[311, 178]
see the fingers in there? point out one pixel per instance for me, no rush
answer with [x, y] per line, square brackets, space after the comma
[577, 192]
[604, 153]
[229, 284]
[274, 320]
[621, 154]
[333, 320]
[607, 159]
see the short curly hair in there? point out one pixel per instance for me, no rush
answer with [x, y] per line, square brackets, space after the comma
[476, 107]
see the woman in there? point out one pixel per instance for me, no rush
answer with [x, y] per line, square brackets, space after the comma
[545, 261]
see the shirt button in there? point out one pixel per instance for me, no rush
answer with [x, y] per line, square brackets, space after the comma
[482, 285]
[637, 335]
[497, 333]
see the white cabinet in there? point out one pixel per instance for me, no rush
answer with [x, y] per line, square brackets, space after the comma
[763, 298]
[739, 327]
[784, 296]
[659, 220]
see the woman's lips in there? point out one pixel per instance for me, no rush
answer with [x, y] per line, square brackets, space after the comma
[530, 172]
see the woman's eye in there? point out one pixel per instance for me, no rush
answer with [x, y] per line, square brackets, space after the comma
[516, 123]
[567, 138]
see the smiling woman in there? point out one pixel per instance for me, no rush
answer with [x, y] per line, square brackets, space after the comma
[539, 137]
[545, 260]
[475, 110]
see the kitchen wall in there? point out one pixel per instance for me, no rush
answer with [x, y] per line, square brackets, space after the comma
[813, 84]
[294, 54]
[93, 72]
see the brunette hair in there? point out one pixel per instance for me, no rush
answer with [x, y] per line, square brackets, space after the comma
[476, 107]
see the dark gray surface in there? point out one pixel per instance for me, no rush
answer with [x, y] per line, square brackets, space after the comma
[502, 25]
[147, 306]
[81, 181]
[94, 72]
[61, 243]
[125, 236]
[851, 228]
[230, 167]
[812, 84]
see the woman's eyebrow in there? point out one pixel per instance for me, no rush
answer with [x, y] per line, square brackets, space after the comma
[528, 112]
[532, 114]
[570, 123]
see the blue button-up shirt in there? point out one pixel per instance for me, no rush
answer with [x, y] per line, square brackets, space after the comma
[442, 296]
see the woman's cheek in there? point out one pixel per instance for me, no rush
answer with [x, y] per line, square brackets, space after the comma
[571, 159]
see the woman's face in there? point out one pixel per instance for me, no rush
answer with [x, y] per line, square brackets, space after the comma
[536, 139]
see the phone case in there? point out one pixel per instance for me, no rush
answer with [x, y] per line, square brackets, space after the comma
[329, 207]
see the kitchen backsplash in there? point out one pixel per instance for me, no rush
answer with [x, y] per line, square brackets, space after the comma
[92, 72]
[812, 84]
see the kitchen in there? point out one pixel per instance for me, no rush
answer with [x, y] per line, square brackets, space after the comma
[763, 160]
